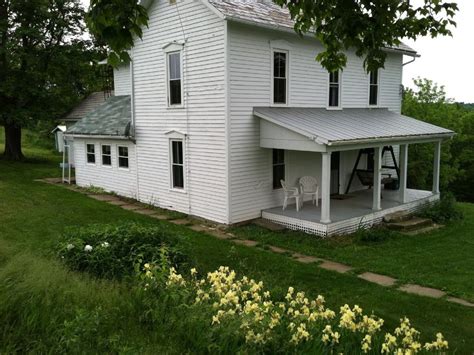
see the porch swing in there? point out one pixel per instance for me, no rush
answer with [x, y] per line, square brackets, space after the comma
[366, 176]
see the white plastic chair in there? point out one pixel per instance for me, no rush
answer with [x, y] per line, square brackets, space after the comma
[309, 186]
[291, 192]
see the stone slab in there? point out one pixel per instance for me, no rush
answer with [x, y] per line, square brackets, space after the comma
[306, 259]
[381, 280]
[460, 301]
[118, 203]
[145, 211]
[160, 217]
[278, 250]
[104, 197]
[181, 222]
[131, 207]
[333, 266]
[422, 291]
[199, 228]
[245, 242]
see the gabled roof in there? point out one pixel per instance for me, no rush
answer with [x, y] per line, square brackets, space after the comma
[87, 105]
[350, 125]
[112, 118]
[265, 13]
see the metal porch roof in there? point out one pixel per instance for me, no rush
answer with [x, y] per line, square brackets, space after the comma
[351, 125]
[112, 118]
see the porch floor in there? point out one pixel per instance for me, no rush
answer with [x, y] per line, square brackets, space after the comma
[358, 205]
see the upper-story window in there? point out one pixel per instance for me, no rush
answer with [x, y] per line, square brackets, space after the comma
[175, 93]
[334, 89]
[280, 77]
[373, 87]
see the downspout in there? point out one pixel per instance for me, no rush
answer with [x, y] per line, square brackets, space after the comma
[133, 137]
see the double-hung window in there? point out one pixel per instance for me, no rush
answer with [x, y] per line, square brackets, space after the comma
[123, 157]
[90, 148]
[280, 77]
[106, 155]
[177, 164]
[334, 89]
[373, 87]
[278, 167]
[174, 79]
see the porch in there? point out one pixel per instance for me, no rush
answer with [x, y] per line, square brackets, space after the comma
[349, 213]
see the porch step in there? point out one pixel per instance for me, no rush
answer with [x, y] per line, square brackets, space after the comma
[424, 230]
[412, 224]
[398, 216]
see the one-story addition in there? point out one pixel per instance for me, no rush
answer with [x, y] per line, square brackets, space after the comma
[223, 101]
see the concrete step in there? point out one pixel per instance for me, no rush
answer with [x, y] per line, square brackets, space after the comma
[412, 224]
[423, 230]
[398, 216]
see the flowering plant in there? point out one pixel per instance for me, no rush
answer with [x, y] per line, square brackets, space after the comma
[242, 311]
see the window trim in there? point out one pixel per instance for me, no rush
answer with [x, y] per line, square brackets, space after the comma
[339, 92]
[171, 164]
[378, 89]
[272, 77]
[87, 155]
[286, 164]
[102, 156]
[120, 156]
[174, 50]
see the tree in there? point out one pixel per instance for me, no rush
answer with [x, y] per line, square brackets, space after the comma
[44, 64]
[367, 26]
[428, 103]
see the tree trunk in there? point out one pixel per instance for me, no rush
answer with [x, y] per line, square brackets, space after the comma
[13, 143]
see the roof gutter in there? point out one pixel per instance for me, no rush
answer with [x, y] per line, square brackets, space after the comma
[435, 136]
[98, 136]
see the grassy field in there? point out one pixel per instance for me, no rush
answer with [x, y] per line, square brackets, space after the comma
[441, 259]
[41, 301]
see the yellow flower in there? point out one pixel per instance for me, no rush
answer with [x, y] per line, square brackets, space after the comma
[193, 271]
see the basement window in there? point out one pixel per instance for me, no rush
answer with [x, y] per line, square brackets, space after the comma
[106, 155]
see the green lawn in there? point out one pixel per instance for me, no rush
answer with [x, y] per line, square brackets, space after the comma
[39, 298]
[441, 259]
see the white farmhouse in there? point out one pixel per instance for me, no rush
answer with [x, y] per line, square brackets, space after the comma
[223, 100]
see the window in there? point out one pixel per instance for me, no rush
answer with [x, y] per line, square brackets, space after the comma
[280, 69]
[90, 153]
[123, 157]
[174, 78]
[106, 155]
[177, 164]
[334, 88]
[278, 167]
[373, 87]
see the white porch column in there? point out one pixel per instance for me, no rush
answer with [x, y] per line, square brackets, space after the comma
[402, 190]
[325, 187]
[377, 189]
[436, 167]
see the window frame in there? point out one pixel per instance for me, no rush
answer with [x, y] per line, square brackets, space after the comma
[123, 157]
[93, 154]
[339, 92]
[102, 155]
[370, 86]
[287, 76]
[168, 80]
[172, 164]
[285, 166]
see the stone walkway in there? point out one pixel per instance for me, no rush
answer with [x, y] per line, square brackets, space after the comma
[221, 233]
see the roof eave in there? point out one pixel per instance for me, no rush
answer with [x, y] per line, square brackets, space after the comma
[414, 138]
[96, 136]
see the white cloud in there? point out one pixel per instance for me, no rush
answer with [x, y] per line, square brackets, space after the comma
[447, 60]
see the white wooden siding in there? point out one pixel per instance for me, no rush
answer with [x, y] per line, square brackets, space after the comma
[122, 80]
[249, 66]
[202, 119]
[110, 178]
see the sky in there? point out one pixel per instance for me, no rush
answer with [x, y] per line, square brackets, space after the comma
[448, 61]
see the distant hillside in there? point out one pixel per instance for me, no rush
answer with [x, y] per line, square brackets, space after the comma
[467, 106]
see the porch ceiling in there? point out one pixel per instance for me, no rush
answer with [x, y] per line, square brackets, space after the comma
[351, 126]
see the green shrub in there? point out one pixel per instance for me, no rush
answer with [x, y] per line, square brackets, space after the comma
[443, 211]
[109, 251]
[373, 235]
